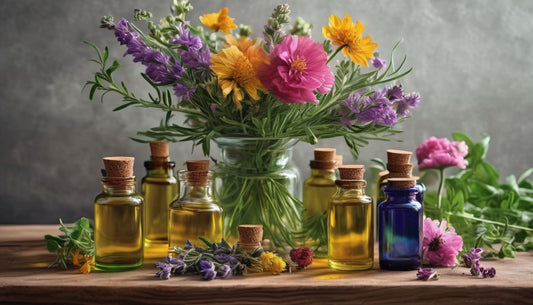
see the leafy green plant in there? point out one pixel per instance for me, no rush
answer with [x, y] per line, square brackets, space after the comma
[486, 213]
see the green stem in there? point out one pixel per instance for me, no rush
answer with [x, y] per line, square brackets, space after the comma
[441, 186]
[490, 221]
[335, 53]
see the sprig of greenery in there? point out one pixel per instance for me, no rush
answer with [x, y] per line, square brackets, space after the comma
[486, 213]
[79, 236]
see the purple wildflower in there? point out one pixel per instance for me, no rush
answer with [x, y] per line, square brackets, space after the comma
[198, 60]
[207, 269]
[186, 40]
[229, 260]
[378, 63]
[395, 93]
[170, 266]
[165, 272]
[213, 107]
[224, 271]
[476, 269]
[473, 256]
[427, 274]
[347, 122]
[409, 101]
[183, 91]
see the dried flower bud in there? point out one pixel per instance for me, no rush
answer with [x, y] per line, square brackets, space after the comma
[244, 30]
[107, 23]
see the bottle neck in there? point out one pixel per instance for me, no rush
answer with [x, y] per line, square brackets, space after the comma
[159, 168]
[188, 190]
[325, 173]
[351, 191]
[118, 186]
[407, 194]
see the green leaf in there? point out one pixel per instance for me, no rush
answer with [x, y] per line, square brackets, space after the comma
[113, 67]
[124, 106]
[54, 243]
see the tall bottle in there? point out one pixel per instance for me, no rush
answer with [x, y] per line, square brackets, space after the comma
[118, 225]
[195, 213]
[350, 222]
[317, 191]
[159, 188]
[400, 226]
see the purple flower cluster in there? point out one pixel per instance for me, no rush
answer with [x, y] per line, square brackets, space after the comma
[471, 260]
[170, 266]
[383, 107]
[209, 271]
[161, 68]
[427, 274]
[378, 63]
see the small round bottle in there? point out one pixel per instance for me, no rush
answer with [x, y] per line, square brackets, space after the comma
[118, 224]
[317, 191]
[350, 222]
[400, 230]
[195, 213]
[159, 188]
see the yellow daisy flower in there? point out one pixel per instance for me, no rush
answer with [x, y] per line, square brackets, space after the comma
[243, 42]
[349, 36]
[236, 72]
[219, 21]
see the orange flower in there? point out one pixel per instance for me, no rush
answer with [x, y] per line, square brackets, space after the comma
[88, 260]
[219, 21]
[243, 42]
[349, 37]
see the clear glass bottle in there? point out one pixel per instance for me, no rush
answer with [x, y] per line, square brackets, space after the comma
[159, 188]
[400, 230]
[350, 222]
[317, 191]
[118, 225]
[195, 213]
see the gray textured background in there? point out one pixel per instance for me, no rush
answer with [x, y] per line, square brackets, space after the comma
[472, 65]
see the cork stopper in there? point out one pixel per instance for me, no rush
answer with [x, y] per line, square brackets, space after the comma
[395, 156]
[119, 167]
[351, 172]
[338, 158]
[197, 172]
[401, 183]
[324, 158]
[159, 151]
[250, 234]
[400, 170]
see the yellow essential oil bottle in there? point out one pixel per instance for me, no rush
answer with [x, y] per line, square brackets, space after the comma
[195, 213]
[159, 188]
[317, 191]
[118, 224]
[350, 222]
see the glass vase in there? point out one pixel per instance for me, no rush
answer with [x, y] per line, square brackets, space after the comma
[257, 183]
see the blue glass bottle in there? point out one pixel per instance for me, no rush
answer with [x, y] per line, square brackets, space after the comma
[400, 226]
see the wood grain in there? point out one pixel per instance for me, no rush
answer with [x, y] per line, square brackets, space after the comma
[25, 279]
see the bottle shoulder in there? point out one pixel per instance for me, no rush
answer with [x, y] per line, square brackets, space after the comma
[119, 199]
[196, 204]
[350, 197]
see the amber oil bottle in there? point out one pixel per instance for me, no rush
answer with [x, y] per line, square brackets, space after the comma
[159, 188]
[195, 213]
[317, 191]
[118, 224]
[350, 222]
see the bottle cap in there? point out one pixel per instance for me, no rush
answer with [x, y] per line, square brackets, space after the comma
[395, 156]
[159, 151]
[401, 183]
[324, 158]
[119, 167]
[249, 234]
[351, 172]
[400, 170]
[197, 172]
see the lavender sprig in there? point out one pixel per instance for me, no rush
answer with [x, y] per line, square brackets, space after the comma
[471, 260]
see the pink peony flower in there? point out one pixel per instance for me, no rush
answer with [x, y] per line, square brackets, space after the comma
[435, 152]
[298, 66]
[441, 244]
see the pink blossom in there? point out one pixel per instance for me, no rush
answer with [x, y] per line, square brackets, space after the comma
[441, 244]
[298, 66]
[440, 152]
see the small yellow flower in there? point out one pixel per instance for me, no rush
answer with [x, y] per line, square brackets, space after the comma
[272, 262]
[278, 264]
[349, 36]
[236, 72]
[219, 21]
[242, 43]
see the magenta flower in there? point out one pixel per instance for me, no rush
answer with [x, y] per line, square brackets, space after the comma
[298, 66]
[303, 256]
[440, 152]
[441, 244]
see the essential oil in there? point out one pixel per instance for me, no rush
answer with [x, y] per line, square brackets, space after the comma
[118, 221]
[317, 191]
[350, 222]
[196, 213]
[400, 229]
[159, 188]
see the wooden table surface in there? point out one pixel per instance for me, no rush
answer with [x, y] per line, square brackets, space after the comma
[25, 279]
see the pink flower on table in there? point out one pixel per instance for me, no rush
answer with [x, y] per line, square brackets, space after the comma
[441, 152]
[298, 67]
[441, 244]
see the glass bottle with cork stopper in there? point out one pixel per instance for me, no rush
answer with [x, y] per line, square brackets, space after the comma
[195, 213]
[400, 230]
[118, 224]
[317, 191]
[250, 237]
[350, 222]
[159, 188]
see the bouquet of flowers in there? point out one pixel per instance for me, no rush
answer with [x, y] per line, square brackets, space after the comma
[275, 91]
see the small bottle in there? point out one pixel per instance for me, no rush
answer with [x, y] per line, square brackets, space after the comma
[195, 213]
[159, 188]
[250, 237]
[317, 191]
[118, 224]
[400, 226]
[350, 222]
